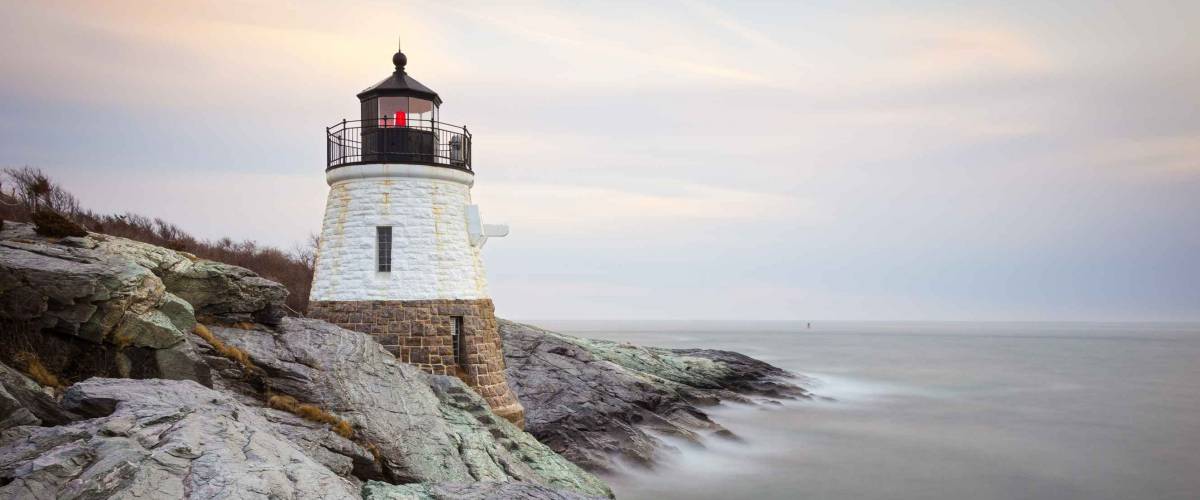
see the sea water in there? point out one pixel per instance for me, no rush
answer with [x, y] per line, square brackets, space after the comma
[942, 411]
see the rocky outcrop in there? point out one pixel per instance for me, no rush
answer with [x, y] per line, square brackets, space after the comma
[467, 491]
[71, 288]
[343, 456]
[25, 402]
[13, 411]
[81, 312]
[110, 272]
[213, 289]
[597, 401]
[425, 428]
[159, 439]
[105, 306]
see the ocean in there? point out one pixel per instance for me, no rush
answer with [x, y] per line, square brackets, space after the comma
[942, 410]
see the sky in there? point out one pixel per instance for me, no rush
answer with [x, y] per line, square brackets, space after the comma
[672, 159]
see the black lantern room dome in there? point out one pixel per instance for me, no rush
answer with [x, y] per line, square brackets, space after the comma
[400, 123]
[399, 84]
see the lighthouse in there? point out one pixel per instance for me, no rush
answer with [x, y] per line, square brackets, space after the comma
[399, 252]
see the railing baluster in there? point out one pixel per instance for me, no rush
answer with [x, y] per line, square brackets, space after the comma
[419, 141]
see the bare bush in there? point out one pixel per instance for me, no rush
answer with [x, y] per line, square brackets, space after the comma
[34, 190]
[54, 225]
[27, 189]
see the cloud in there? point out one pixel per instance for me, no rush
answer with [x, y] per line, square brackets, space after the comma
[567, 209]
[930, 49]
[1156, 157]
[615, 50]
[756, 38]
[192, 54]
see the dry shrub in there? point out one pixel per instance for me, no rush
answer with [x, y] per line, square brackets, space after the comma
[344, 429]
[285, 403]
[37, 371]
[315, 414]
[54, 225]
[30, 191]
[373, 449]
[312, 413]
[224, 350]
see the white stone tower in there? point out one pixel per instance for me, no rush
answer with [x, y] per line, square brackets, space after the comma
[399, 253]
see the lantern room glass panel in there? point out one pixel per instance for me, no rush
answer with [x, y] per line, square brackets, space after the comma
[420, 113]
[393, 111]
[405, 112]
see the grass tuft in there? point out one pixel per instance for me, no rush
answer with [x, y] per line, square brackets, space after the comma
[37, 371]
[228, 351]
[312, 413]
[374, 450]
[344, 429]
[285, 403]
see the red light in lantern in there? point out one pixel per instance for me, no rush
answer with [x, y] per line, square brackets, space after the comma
[401, 119]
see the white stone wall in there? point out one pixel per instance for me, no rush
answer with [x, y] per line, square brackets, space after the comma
[432, 257]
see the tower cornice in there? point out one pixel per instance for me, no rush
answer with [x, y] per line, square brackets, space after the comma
[398, 171]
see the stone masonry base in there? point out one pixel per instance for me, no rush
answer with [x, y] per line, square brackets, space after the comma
[418, 332]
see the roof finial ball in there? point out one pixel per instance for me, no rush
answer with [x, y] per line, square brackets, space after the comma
[399, 59]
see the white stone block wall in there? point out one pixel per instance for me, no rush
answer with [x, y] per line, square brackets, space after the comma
[432, 257]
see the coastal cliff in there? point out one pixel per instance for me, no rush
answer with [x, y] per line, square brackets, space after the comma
[135, 370]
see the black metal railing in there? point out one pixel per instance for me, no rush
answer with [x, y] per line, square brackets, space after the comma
[422, 142]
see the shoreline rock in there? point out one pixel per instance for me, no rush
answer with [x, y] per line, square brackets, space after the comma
[596, 402]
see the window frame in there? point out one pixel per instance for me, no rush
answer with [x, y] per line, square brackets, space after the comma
[383, 249]
[458, 341]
